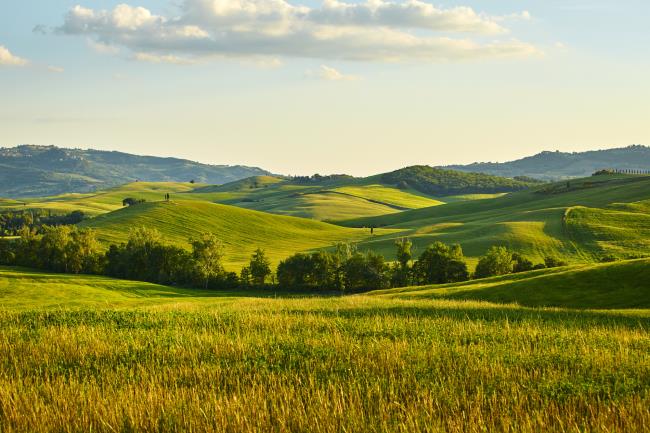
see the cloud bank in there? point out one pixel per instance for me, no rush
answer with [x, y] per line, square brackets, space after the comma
[8, 59]
[378, 30]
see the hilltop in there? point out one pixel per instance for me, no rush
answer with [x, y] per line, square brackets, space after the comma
[562, 165]
[29, 171]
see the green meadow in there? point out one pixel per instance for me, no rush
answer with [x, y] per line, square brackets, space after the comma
[562, 349]
[95, 354]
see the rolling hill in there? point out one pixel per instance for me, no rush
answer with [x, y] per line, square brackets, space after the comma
[562, 165]
[583, 220]
[241, 230]
[330, 198]
[29, 171]
[620, 285]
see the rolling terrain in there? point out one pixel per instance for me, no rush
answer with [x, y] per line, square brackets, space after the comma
[620, 285]
[331, 198]
[583, 220]
[241, 230]
[30, 171]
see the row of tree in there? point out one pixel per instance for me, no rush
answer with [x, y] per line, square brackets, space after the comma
[146, 257]
[11, 222]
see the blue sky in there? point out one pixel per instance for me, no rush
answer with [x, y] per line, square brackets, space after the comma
[309, 87]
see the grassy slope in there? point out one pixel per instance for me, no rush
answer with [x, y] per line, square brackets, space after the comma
[241, 230]
[604, 286]
[534, 223]
[102, 201]
[341, 200]
[82, 353]
[330, 201]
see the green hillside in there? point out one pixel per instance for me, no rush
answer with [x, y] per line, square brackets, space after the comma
[101, 201]
[241, 230]
[580, 221]
[32, 171]
[324, 198]
[605, 286]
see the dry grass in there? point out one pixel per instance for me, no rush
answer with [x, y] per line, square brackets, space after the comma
[324, 364]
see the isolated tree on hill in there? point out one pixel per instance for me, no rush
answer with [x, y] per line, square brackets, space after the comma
[497, 261]
[260, 267]
[207, 252]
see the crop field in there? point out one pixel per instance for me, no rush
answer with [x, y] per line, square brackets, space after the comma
[95, 354]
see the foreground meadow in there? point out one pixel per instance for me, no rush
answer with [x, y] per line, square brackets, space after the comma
[81, 354]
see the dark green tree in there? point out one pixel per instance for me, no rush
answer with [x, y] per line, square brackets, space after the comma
[497, 261]
[260, 267]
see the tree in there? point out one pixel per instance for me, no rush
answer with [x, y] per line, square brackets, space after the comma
[401, 273]
[293, 272]
[521, 264]
[54, 249]
[497, 261]
[83, 252]
[366, 272]
[440, 264]
[207, 253]
[554, 262]
[260, 267]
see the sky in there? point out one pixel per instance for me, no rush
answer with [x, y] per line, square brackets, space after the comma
[326, 87]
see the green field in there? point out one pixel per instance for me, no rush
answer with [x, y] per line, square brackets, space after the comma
[241, 230]
[337, 200]
[101, 201]
[84, 353]
[593, 218]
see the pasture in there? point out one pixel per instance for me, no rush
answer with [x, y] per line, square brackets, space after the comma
[95, 354]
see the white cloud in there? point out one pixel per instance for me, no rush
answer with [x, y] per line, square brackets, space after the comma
[153, 58]
[330, 74]
[102, 48]
[377, 30]
[408, 14]
[56, 69]
[8, 59]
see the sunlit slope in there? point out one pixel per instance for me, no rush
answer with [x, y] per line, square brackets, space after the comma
[241, 230]
[334, 200]
[583, 220]
[101, 201]
[603, 286]
[27, 289]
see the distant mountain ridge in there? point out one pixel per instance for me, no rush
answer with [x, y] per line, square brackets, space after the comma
[28, 170]
[562, 165]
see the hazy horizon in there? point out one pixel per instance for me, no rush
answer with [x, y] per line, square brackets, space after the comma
[299, 87]
[321, 172]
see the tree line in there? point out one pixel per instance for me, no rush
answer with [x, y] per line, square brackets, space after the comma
[147, 257]
[11, 222]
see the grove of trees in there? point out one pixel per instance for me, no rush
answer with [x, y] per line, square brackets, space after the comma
[147, 257]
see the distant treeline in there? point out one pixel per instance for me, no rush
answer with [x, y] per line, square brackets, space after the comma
[436, 181]
[146, 257]
[11, 222]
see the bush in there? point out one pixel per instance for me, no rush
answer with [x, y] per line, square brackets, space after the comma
[554, 262]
